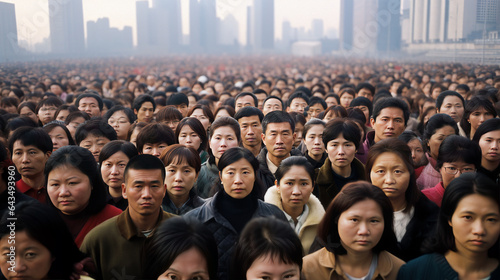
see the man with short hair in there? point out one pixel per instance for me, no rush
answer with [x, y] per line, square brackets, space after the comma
[316, 106]
[90, 102]
[245, 99]
[272, 103]
[144, 107]
[297, 102]
[250, 120]
[261, 96]
[265, 85]
[115, 245]
[365, 90]
[180, 101]
[154, 138]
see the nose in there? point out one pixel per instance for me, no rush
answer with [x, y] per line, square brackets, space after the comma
[296, 189]
[317, 141]
[390, 124]
[25, 157]
[279, 139]
[64, 191]
[20, 265]
[223, 142]
[238, 178]
[156, 152]
[363, 229]
[188, 139]
[389, 178]
[115, 170]
[478, 227]
[94, 149]
[494, 145]
[251, 130]
[341, 150]
[413, 155]
[146, 193]
[177, 176]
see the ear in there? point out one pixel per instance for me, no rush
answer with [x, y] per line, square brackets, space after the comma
[263, 136]
[288, 109]
[124, 191]
[277, 186]
[220, 176]
[372, 121]
[135, 111]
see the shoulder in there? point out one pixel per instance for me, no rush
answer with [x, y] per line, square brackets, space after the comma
[423, 267]
[106, 229]
[203, 212]
[272, 196]
[265, 209]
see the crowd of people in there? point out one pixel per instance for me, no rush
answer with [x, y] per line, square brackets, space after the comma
[249, 168]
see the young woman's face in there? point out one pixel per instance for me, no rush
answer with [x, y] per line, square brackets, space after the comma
[189, 138]
[490, 146]
[69, 189]
[112, 169]
[222, 113]
[238, 179]
[180, 178]
[222, 139]
[267, 267]
[200, 115]
[33, 259]
[120, 123]
[295, 187]
[475, 224]
[417, 152]
[477, 117]
[341, 151]
[452, 170]
[314, 140]
[361, 226]
[389, 173]
[59, 138]
[437, 138]
[190, 264]
[345, 100]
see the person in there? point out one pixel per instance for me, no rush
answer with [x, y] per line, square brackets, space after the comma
[365, 105]
[488, 138]
[292, 193]
[333, 112]
[44, 248]
[389, 119]
[63, 111]
[180, 101]
[144, 107]
[297, 102]
[224, 111]
[59, 134]
[74, 120]
[90, 102]
[191, 133]
[169, 116]
[153, 138]
[315, 107]
[267, 249]
[244, 99]
[235, 204]
[203, 114]
[28, 109]
[46, 109]
[477, 110]
[120, 118]
[261, 95]
[437, 129]
[77, 191]
[30, 148]
[300, 121]
[113, 158]
[341, 139]
[313, 141]
[451, 103]
[357, 234]
[417, 150]
[180, 249]
[390, 168]
[250, 120]
[347, 95]
[115, 244]
[466, 242]
[272, 103]
[457, 155]
[93, 135]
[182, 165]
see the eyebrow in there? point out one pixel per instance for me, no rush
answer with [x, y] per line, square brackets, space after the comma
[142, 182]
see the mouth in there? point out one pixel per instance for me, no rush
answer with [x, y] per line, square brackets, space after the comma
[389, 189]
[477, 242]
[362, 242]
[65, 202]
[177, 188]
[146, 204]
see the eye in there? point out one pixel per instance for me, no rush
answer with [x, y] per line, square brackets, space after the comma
[354, 220]
[468, 218]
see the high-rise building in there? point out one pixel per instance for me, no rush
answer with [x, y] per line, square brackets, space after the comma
[461, 19]
[66, 26]
[228, 30]
[346, 24]
[101, 38]
[203, 25]
[8, 32]
[262, 24]
[142, 18]
[318, 29]
[165, 25]
[389, 29]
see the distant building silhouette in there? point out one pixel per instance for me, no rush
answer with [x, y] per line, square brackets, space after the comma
[8, 32]
[203, 26]
[262, 24]
[66, 27]
[102, 39]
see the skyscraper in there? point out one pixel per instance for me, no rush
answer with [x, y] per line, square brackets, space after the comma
[318, 29]
[203, 25]
[66, 26]
[142, 18]
[166, 25]
[8, 31]
[346, 24]
[262, 26]
[389, 30]
[101, 38]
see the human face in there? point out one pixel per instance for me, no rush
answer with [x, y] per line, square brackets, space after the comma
[154, 149]
[145, 113]
[26, 112]
[29, 160]
[490, 146]
[260, 99]
[314, 141]
[251, 130]
[94, 144]
[366, 93]
[69, 189]
[475, 224]
[450, 167]
[244, 101]
[299, 128]
[298, 105]
[345, 100]
[476, 118]
[90, 106]
[180, 178]
[315, 110]
[279, 139]
[46, 113]
[437, 138]
[144, 189]
[120, 123]
[59, 138]
[417, 152]
[452, 106]
[112, 169]
[272, 268]
[272, 104]
[62, 115]
[189, 138]
[390, 123]
[222, 139]
[341, 152]
[238, 179]
[295, 188]
[365, 111]
[200, 115]
[183, 108]
[188, 265]
[32, 261]
[330, 101]
[361, 226]
[222, 113]
[390, 173]
[73, 125]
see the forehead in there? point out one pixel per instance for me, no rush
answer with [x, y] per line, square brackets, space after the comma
[245, 98]
[19, 145]
[147, 104]
[145, 175]
[253, 118]
[298, 100]
[392, 112]
[88, 100]
[279, 126]
[452, 99]
[273, 101]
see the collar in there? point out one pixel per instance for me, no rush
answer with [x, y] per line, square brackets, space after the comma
[127, 227]
[270, 164]
[22, 186]
[301, 219]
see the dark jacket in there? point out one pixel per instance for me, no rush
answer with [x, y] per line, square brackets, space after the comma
[265, 175]
[325, 184]
[194, 201]
[224, 233]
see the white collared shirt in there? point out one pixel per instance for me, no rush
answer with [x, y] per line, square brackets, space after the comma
[300, 219]
[270, 164]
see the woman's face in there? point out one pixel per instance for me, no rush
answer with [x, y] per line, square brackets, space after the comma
[437, 138]
[389, 173]
[112, 169]
[452, 170]
[25, 111]
[120, 123]
[490, 146]
[73, 125]
[180, 178]
[94, 144]
[267, 267]
[295, 188]
[222, 139]
[298, 131]
[417, 152]
[345, 100]
[238, 179]
[222, 113]
[475, 224]
[59, 138]
[46, 113]
[361, 226]
[452, 106]
[477, 117]
[189, 138]
[69, 189]
[314, 140]
[188, 265]
[341, 151]
[62, 115]
[32, 259]
[198, 113]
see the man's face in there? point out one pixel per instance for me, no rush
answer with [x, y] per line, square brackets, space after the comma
[279, 139]
[265, 87]
[55, 89]
[261, 97]
[90, 106]
[145, 113]
[297, 105]
[183, 108]
[315, 110]
[144, 189]
[251, 131]
[364, 92]
[29, 160]
[244, 101]
[390, 123]
[272, 104]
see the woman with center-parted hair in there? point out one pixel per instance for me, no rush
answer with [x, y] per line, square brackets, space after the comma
[488, 138]
[191, 133]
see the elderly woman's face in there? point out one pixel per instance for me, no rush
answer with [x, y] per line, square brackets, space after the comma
[389, 173]
[69, 189]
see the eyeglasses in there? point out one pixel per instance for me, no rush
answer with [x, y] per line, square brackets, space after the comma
[453, 170]
[45, 109]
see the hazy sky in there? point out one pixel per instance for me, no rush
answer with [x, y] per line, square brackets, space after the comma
[33, 23]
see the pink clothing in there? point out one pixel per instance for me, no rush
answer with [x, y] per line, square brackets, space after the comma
[435, 194]
[429, 176]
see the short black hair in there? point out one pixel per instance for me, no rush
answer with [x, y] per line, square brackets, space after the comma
[458, 148]
[348, 128]
[391, 102]
[30, 136]
[155, 133]
[127, 111]
[298, 94]
[444, 94]
[96, 127]
[246, 93]
[144, 162]
[92, 94]
[249, 111]
[275, 97]
[317, 100]
[368, 86]
[142, 99]
[277, 117]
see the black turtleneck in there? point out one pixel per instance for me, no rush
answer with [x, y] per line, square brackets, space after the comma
[237, 211]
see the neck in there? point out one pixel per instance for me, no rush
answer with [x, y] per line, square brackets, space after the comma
[144, 222]
[315, 157]
[467, 262]
[276, 160]
[178, 200]
[294, 212]
[489, 165]
[356, 264]
[115, 192]
[344, 171]
[472, 132]
[36, 181]
[254, 149]
[398, 203]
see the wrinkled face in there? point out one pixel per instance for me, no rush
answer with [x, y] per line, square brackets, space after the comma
[69, 189]
[452, 170]
[189, 138]
[238, 179]
[190, 264]
[251, 130]
[180, 178]
[29, 160]
[389, 173]
[59, 138]
[437, 138]
[120, 123]
[144, 189]
[390, 123]
[490, 146]
[272, 104]
[315, 110]
[417, 152]
[222, 139]
[267, 267]
[477, 117]
[295, 188]
[314, 140]
[298, 105]
[145, 113]
[279, 139]
[94, 144]
[112, 169]
[90, 106]
[452, 106]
